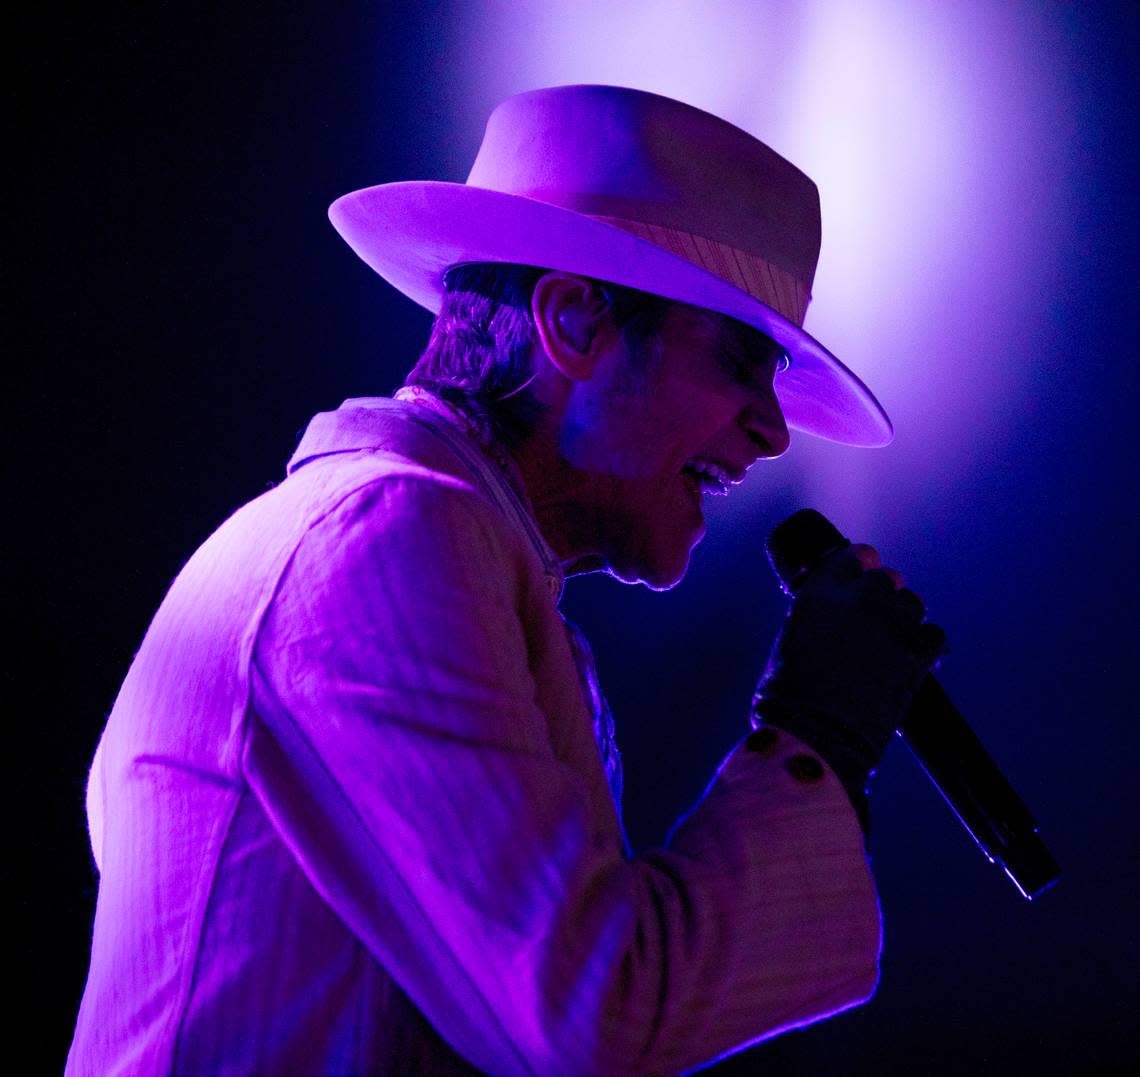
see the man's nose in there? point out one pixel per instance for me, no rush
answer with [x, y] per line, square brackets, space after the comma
[763, 421]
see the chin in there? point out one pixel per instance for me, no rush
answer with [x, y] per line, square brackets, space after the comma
[659, 575]
[653, 552]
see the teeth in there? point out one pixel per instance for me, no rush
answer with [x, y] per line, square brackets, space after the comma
[709, 468]
[711, 471]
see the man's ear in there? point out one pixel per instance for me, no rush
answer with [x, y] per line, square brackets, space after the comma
[574, 322]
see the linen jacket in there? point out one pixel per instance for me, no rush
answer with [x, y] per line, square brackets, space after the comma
[351, 810]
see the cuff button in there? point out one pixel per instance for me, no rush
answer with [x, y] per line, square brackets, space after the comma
[804, 768]
[763, 741]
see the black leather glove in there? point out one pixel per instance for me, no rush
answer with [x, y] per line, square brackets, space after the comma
[850, 656]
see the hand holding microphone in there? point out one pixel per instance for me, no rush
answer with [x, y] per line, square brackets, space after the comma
[852, 665]
[853, 650]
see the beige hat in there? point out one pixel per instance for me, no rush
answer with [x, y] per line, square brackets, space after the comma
[641, 190]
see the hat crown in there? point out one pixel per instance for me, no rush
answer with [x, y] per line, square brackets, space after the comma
[613, 152]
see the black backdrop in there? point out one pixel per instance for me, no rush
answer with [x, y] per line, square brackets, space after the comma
[184, 307]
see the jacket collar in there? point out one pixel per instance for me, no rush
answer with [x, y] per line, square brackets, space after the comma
[424, 428]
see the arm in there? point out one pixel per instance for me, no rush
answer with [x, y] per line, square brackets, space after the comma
[398, 751]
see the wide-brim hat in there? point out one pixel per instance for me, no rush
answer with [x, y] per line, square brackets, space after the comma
[637, 189]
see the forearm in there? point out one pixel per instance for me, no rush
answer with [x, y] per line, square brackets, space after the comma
[536, 947]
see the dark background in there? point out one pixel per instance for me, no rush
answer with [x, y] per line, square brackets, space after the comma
[188, 307]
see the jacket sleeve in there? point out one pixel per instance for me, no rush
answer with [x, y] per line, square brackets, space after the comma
[397, 749]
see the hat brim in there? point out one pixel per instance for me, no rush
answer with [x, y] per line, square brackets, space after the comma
[411, 233]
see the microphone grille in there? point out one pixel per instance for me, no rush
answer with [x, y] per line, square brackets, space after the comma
[799, 542]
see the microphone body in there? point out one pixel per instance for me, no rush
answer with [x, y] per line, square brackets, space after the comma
[938, 736]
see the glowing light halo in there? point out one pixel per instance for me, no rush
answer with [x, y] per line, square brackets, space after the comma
[930, 134]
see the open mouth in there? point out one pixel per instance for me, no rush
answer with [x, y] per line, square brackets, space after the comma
[707, 477]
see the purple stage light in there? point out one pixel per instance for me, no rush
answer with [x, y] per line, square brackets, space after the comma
[936, 139]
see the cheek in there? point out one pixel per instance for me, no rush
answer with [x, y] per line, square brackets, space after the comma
[708, 388]
[701, 410]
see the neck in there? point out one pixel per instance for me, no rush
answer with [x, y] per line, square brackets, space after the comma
[559, 496]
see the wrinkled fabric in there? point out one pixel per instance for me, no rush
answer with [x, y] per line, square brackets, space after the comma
[351, 813]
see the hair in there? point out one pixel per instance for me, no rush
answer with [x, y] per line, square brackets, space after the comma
[479, 353]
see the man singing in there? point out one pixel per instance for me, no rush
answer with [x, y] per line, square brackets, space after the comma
[357, 807]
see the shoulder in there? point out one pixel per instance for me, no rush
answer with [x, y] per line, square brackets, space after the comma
[383, 494]
[377, 517]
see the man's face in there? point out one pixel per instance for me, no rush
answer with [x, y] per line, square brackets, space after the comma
[651, 435]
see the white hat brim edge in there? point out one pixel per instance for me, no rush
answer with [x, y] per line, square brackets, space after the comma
[411, 232]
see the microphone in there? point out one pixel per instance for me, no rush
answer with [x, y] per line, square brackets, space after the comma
[937, 735]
